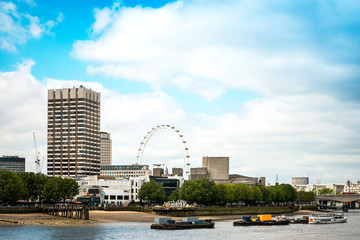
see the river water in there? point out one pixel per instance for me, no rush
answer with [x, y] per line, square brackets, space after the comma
[223, 230]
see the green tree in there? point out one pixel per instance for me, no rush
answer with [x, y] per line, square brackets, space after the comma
[277, 194]
[69, 188]
[174, 195]
[243, 193]
[59, 189]
[258, 195]
[12, 188]
[290, 192]
[325, 191]
[200, 191]
[219, 194]
[229, 193]
[51, 190]
[265, 193]
[34, 185]
[303, 196]
[152, 191]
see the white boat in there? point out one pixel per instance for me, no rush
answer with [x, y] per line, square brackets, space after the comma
[327, 218]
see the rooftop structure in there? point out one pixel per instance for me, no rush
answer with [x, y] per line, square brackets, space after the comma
[125, 171]
[12, 163]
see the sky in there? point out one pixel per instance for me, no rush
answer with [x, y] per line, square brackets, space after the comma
[272, 84]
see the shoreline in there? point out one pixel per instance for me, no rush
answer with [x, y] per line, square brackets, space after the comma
[98, 217]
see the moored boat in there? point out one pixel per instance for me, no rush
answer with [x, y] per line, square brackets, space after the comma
[327, 218]
[187, 223]
[260, 220]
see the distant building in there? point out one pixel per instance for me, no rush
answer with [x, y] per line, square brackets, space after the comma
[105, 149]
[170, 183]
[12, 163]
[125, 171]
[236, 178]
[177, 172]
[198, 173]
[213, 168]
[73, 132]
[300, 180]
[158, 172]
[317, 187]
[218, 167]
[97, 190]
[352, 187]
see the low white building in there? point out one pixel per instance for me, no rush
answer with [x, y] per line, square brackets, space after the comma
[117, 192]
[113, 192]
[317, 187]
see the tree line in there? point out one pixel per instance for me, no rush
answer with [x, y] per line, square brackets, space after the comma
[205, 191]
[33, 187]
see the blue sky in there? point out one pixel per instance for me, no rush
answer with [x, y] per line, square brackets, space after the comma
[268, 83]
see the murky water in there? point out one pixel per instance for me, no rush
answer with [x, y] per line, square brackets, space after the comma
[223, 230]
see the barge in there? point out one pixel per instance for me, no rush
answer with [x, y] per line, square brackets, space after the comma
[187, 223]
[260, 220]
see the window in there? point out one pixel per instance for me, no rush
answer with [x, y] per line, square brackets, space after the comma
[126, 197]
[106, 197]
[112, 197]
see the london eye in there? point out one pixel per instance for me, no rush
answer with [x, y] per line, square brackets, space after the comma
[176, 133]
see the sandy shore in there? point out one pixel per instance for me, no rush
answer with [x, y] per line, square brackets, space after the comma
[103, 217]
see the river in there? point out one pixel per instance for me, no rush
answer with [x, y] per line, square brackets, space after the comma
[223, 230]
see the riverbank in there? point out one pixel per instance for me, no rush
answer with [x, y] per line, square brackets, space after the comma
[104, 217]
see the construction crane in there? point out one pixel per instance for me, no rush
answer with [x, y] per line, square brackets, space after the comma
[37, 156]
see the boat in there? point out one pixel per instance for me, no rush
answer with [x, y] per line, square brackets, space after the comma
[187, 223]
[327, 218]
[260, 220]
[303, 220]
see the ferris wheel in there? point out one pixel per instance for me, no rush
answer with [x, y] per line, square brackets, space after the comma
[171, 129]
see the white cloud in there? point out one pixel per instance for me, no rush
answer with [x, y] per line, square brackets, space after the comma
[292, 135]
[17, 28]
[208, 48]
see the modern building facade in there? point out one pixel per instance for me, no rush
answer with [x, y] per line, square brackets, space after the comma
[125, 171]
[73, 142]
[218, 167]
[105, 149]
[300, 180]
[12, 163]
[213, 168]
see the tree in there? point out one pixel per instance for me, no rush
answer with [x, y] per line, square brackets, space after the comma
[303, 196]
[325, 191]
[152, 191]
[59, 189]
[174, 195]
[199, 191]
[265, 193]
[229, 192]
[69, 188]
[219, 194]
[243, 193]
[290, 192]
[258, 195]
[34, 184]
[12, 187]
[277, 194]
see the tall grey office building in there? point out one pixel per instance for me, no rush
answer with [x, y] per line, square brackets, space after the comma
[73, 132]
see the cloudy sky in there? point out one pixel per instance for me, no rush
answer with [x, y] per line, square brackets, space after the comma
[273, 84]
